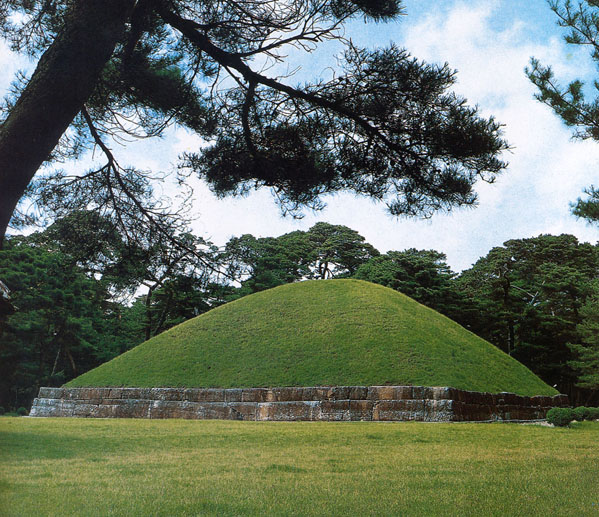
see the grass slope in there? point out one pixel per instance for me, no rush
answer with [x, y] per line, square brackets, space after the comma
[319, 333]
[81, 467]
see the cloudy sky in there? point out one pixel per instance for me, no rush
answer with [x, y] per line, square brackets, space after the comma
[489, 42]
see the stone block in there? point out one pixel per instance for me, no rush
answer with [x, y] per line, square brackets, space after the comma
[471, 397]
[427, 392]
[288, 410]
[119, 409]
[361, 410]
[465, 412]
[289, 394]
[130, 393]
[254, 394]
[337, 393]
[82, 410]
[508, 399]
[166, 394]
[113, 401]
[66, 407]
[541, 401]
[37, 408]
[70, 393]
[357, 392]
[156, 409]
[232, 395]
[440, 393]
[243, 410]
[40, 412]
[418, 392]
[101, 411]
[50, 393]
[388, 410]
[391, 392]
[94, 401]
[213, 411]
[210, 395]
[85, 394]
[438, 410]
[42, 402]
[333, 410]
[117, 393]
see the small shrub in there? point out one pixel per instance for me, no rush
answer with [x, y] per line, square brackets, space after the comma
[592, 413]
[22, 411]
[580, 413]
[560, 416]
[2, 410]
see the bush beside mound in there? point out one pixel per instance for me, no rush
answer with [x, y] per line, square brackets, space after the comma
[581, 413]
[560, 416]
[592, 413]
[22, 411]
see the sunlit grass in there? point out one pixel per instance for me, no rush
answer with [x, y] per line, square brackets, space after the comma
[176, 467]
[320, 333]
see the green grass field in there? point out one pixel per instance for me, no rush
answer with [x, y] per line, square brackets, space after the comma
[319, 333]
[67, 467]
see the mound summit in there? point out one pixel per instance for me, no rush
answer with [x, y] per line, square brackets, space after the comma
[318, 333]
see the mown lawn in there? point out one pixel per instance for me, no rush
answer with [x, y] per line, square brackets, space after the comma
[174, 467]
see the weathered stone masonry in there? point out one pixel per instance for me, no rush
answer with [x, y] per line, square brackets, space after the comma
[340, 403]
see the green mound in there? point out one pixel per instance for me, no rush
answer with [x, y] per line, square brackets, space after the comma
[318, 333]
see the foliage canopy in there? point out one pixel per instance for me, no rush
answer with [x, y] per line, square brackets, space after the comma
[385, 125]
[576, 105]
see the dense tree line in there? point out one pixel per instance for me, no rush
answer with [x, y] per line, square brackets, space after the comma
[385, 126]
[577, 105]
[77, 288]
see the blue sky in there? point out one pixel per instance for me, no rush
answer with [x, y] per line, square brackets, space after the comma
[489, 42]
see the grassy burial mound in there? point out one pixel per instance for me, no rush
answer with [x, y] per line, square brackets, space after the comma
[318, 333]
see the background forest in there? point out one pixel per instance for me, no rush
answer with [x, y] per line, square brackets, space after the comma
[76, 286]
[116, 262]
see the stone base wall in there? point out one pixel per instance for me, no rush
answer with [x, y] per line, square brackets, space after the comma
[340, 403]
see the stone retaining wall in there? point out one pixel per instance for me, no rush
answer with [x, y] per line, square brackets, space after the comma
[340, 403]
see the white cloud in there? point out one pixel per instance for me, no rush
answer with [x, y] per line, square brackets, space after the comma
[10, 63]
[547, 170]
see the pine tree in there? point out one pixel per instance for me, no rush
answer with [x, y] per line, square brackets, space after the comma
[586, 362]
[386, 126]
[570, 103]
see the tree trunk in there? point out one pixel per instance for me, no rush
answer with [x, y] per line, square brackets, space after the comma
[511, 340]
[63, 80]
[148, 330]
[511, 333]
[164, 314]
[56, 360]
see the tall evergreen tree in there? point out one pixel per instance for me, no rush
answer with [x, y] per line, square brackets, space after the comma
[338, 250]
[530, 293]
[423, 275]
[571, 103]
[54, 334]
[586, 352]
[324, 251]
[385, 126]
